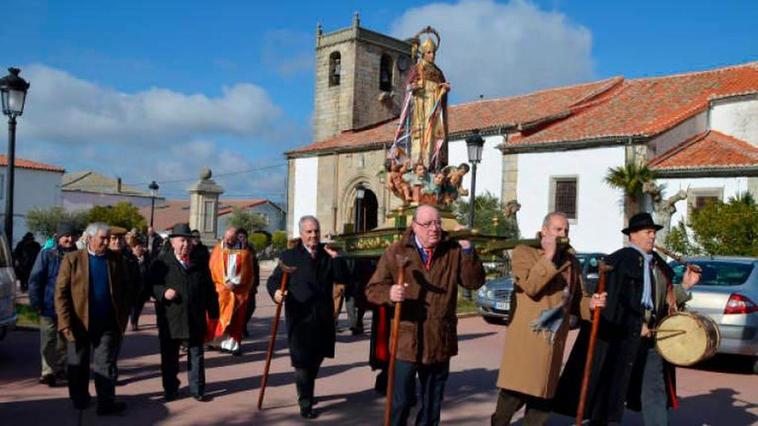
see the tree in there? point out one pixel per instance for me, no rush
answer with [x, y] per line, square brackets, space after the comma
[631, 179]
[247, 220]
[123, 214]
[259, 241]
[46, 221]
[729, 228]
[678, 240]
[489, 217]
[279, 240]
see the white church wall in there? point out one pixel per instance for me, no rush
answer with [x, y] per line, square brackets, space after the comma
[599, 212]
[736, 117]
[306, 193]
[727, 187]
[489, 171]
[685, 130]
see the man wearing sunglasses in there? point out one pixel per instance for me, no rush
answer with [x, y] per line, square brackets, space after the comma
[427, 338]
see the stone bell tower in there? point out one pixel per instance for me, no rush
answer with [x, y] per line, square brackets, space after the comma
[360, 76]
[204, 207]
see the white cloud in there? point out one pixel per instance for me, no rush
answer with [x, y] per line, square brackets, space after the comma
[65, 109]
[498, 49]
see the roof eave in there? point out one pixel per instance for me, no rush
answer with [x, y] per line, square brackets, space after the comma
[604, 142]
[701, 172]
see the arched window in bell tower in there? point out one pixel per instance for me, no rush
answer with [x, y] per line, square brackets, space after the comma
[335, 68]
[385, 73]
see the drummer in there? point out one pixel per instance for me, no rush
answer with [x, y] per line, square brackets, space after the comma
[640, 295]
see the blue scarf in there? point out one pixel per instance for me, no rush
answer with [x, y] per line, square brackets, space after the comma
[551, 319]
[647, 285]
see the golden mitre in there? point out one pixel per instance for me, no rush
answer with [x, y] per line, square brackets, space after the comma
[428, 45]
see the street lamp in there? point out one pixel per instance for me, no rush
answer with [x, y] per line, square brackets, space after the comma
[153, 187]
[474, 144]
[360, 192]
[13, 90]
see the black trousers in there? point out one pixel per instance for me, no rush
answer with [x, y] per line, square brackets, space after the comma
[508, 402]
[170, 365]
[103, 343]
[305, 381]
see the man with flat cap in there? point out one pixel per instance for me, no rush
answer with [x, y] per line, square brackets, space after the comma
[184, 294]
[626, 369]
[52, 344]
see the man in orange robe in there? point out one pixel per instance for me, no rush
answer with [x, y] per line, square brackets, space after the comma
[232, 273]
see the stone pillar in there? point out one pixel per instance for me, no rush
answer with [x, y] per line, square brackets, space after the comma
[204, 207]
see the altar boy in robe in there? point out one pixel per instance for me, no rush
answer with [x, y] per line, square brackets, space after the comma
[232, 273]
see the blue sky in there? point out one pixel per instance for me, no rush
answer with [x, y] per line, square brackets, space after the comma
[157, 89]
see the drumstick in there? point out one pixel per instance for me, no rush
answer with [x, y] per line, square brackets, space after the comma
[678, 259]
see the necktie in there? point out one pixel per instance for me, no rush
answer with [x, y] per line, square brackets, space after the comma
[186, 261]
[428, 263]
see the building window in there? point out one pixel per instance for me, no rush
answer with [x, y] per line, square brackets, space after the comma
[385, 73]
[335, 68]
[701, 197]
[563, 196]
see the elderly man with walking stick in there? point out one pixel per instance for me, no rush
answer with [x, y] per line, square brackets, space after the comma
[309, 308]
[426, 298]
[548, 289]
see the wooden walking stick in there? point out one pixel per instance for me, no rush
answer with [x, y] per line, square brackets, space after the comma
[402, 262]
[286, 271]
[603, 269]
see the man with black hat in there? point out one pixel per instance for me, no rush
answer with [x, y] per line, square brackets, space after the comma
[184, 293]
[52, 344]
[626, 367]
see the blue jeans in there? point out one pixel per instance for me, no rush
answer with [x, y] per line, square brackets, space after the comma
[432, 378]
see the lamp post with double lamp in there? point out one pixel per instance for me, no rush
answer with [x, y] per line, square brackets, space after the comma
[360, 192]
[13, 89]
[153, 187]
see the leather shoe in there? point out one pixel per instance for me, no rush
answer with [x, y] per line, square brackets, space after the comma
[237, 352]
[308, 413]
[47, 379]
[200, 398]
[111, 408]
[169, 396]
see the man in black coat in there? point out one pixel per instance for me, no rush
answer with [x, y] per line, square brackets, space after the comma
[24, 255]
[309, 308]
[184, 293]
[626, 367]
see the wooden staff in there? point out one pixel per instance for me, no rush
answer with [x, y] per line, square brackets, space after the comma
[603, 269]
[678, 259]
[286, 271]
[402, 262]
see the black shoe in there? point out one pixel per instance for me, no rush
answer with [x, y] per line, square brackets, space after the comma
[356, 331]
[308, 413]
[238, 352]
[199, 397]
[47, 379]
[111, 408]
[169, 396]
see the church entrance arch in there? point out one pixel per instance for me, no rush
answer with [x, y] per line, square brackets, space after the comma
[366, 210]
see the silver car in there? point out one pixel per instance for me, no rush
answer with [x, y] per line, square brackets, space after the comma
[727, 292]
[7, 289]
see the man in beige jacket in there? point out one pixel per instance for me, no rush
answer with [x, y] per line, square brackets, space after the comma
[548, 289]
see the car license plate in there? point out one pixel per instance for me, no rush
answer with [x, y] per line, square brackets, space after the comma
[502, 306]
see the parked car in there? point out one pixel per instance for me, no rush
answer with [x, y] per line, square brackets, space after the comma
[7, 289]
[727, 292]
[493, 300]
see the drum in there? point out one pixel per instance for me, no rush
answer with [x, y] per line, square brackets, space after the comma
[686, 338]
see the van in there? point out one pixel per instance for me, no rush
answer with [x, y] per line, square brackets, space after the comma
[7, 289]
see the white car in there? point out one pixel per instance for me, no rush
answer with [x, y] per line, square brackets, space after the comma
[7, 289]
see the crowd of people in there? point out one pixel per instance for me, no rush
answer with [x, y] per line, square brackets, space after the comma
[87, 297]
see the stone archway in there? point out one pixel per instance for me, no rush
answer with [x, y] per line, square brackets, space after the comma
[366, 211]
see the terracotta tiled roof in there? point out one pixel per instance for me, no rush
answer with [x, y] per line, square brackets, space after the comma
[89, 181]
[710, 149]
[33, 165]
[171, 212]
[505, 112]
[649, 106]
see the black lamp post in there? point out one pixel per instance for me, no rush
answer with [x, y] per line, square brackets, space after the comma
[13, 89]
[360, 192]
[153, 187]
[474, 144]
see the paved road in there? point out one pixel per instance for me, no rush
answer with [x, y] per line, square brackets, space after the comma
[722, 393]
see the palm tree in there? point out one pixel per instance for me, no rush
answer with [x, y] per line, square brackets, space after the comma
[631, 179]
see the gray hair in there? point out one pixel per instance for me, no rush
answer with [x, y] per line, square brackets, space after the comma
[549, 216]
[95, 227]
[307, 218]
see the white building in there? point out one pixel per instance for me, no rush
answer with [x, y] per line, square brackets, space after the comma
[36, 186]
[86, 189]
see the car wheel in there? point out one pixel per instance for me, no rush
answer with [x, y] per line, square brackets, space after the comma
[494, 320]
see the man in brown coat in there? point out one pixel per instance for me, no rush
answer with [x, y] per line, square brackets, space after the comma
[427, 338]
[548, 289]
[93, 296]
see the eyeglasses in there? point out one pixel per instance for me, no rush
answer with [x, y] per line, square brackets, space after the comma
[427, 225]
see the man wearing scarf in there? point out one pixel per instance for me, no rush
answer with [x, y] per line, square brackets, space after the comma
[232, 273]
[548, 289]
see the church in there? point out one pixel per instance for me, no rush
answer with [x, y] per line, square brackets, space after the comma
[548, 150]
